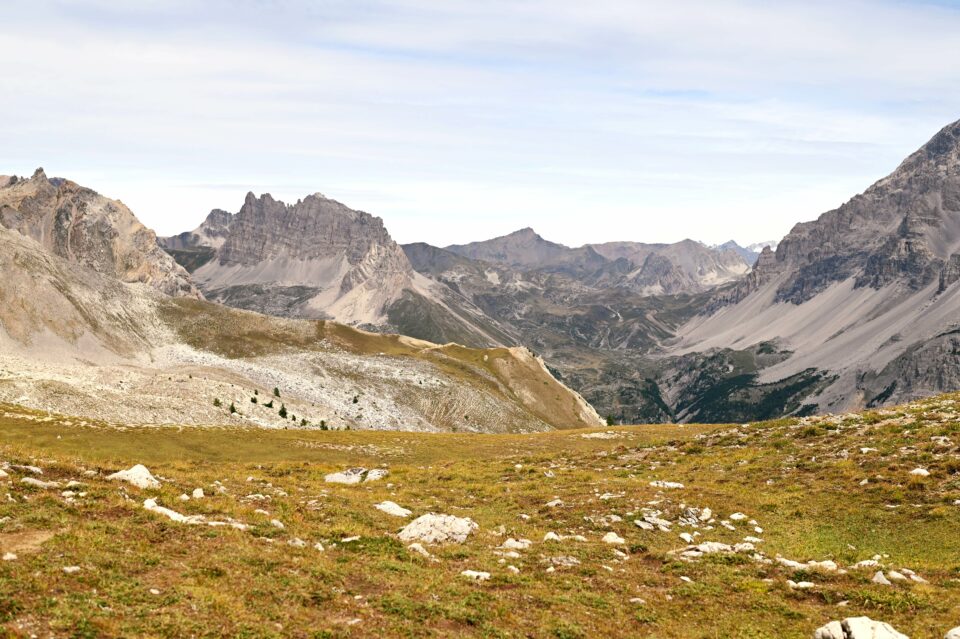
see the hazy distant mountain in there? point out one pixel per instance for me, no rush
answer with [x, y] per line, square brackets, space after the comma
[82, 226]
[682, 267]
[648, 269]
[749, 253]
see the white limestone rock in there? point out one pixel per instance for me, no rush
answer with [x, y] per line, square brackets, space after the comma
[434, 528]
[858, 628]
[356, 476]
[613, 539]
[138, 475]
[476, 575]
[393, 509]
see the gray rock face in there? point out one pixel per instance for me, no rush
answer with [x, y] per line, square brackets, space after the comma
[87, 228]
[319, 259]
[903, 230]
[211, 233]
[867, 294]
[313, 228]
[316, 258]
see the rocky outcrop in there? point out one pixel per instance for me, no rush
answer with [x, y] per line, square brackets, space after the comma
[316, 258]
[858, 628]
[50, 304]
[212, 233]
[867, 295]
[901, 231]
[84, 227]
[319, 259]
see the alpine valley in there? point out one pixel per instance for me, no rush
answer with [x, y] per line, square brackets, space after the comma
[855, 309]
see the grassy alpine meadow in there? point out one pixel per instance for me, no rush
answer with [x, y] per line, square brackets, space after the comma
[626, 513]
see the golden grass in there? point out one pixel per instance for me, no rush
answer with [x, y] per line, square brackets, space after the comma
[793, 478]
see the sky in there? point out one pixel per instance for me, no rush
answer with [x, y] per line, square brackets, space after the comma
[460, 120]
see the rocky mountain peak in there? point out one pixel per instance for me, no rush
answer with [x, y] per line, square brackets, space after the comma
[903, 230]
[314, 228]
[84, 227]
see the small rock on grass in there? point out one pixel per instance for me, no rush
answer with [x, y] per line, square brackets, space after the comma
[613, 538]
[659, 483]
[138, 475]
[476, 575]
[36, 483]
[879, 578]
[433, 528]
[393, 509]
[356, 476]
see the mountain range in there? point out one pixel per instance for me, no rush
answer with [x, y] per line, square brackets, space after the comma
[856, 308]
[99, 322]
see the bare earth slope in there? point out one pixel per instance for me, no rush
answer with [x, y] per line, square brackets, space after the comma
[75, 341]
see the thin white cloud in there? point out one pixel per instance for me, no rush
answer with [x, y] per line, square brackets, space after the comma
[454, 120]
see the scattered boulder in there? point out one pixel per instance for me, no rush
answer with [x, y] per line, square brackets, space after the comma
[138, 475]
[22, 468]
[613, 538]
[393, 509]
[476, 575]
[880, 579]
[356, 476]
[37, 483]
[437, 529]
[152, 506]
[953, 634]
[180, 518]
[516, 544]
[198, 493]
[713, 547]
[858, 628]
[659, 483]
[420, 550]
[920, 472]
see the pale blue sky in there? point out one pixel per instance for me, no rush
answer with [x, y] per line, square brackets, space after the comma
[460, 120]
